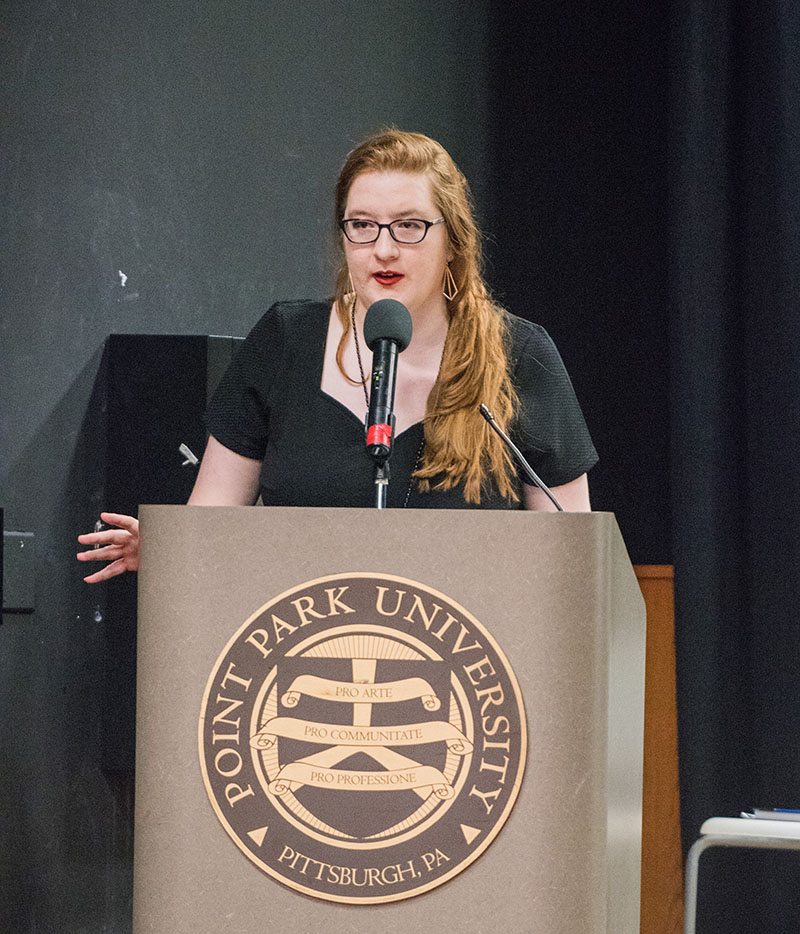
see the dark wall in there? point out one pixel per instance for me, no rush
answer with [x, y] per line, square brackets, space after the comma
[167, 168]
[579, 130]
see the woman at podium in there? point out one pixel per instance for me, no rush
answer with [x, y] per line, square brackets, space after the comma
[287, 420]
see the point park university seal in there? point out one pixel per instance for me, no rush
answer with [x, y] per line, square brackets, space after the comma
[362, 738]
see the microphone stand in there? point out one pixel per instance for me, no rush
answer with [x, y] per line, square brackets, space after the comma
[535, 478]
[380, 451]
[381, 484]
[379, 448]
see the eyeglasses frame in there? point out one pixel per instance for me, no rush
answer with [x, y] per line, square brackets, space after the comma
[428, 225]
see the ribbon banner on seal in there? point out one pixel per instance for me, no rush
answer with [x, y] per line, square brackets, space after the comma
[362, 737]
[348, 692]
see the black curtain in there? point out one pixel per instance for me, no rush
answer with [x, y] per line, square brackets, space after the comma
[735, 379]
[646, 166]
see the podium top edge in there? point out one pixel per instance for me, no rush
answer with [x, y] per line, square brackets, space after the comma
[363, 509]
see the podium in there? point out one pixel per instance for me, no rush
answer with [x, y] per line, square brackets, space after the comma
[552, 596]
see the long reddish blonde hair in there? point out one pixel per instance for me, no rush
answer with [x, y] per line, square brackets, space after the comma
[459, 445]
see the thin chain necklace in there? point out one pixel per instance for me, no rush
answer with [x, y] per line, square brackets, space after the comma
[366, 400]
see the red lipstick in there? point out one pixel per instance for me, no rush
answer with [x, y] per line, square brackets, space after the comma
[387, 277]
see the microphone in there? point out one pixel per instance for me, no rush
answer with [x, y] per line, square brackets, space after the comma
[520, 458]
[387, 332]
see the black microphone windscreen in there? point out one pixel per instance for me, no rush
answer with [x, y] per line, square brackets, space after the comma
[388, 319]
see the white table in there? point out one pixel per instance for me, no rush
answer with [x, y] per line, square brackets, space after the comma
[734, 831]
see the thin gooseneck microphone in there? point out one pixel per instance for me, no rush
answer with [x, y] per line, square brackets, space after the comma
[387, 333]
[520, 457]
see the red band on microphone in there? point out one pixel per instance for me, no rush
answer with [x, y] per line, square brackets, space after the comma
[379, 434]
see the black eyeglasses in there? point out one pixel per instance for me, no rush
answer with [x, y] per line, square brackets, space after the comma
[406, 230]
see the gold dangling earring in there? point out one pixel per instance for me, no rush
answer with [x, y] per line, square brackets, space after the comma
[449, 287]
[351, 289]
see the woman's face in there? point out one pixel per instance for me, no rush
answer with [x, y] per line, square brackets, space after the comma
[409, 272]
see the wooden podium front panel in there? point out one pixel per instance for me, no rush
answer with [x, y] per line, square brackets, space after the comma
[554, 591]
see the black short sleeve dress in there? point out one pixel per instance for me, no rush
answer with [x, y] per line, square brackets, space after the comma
[269, 406]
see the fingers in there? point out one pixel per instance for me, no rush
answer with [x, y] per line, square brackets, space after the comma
[107, 537]
[118, 545]
[126, 525]
[127, 528]
[108, 553]
[124, 522]
[110, 570]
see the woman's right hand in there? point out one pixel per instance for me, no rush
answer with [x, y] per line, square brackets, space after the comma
[119, 545]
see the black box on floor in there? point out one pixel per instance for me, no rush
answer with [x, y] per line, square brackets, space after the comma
[157, 390]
